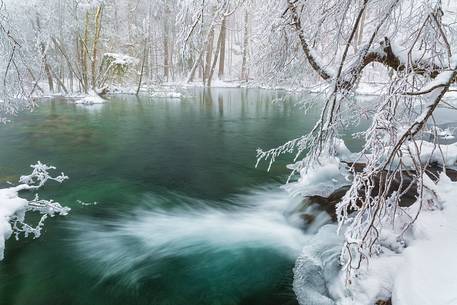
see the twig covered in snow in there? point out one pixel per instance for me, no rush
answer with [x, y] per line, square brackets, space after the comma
[395, 156]
[13, 209]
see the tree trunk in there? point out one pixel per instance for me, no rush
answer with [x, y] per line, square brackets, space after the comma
[197, 62]
[216, 54]
[47, 69]
[44, 57]
[145, 54]
[166, 43]
[84, 53]
[244, 69]
[209, 53]
[223, 35]
[98, 25]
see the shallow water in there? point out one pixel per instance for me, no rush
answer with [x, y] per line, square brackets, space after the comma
[182, 214]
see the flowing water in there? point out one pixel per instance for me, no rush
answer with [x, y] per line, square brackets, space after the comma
[167, 206]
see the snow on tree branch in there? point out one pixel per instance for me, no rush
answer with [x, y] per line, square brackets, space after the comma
[395, 158]
[13, 209]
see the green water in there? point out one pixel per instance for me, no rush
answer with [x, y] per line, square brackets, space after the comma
[132, 154]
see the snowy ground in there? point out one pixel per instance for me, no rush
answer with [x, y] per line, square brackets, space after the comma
[420, 271]
[424, 271]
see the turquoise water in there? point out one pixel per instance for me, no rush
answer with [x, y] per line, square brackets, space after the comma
[182, 214]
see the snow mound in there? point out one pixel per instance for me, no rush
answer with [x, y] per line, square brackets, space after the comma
[317, 264]
[424, 271]
[420, 268]
[10, 204]
[91, 99]
[320, 180]
[428, 273]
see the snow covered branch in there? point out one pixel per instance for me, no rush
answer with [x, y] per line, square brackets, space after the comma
[13, 209]
[395, 159]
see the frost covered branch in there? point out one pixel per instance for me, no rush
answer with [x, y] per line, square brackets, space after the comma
[13, 209]
[415, 47]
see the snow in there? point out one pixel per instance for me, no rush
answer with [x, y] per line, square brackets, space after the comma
[451, 96]
[321, 63]
[444, 155]
[13, 208]
[425, 271]
[441, 79]
[121, 59]
[443, 133]
[165, 94]
[371, 88]
[405, 53]
[10, 204]
[316, 266]
[428, 273]
[91, 99]
[319, 180]
[217, 83]
[419, 268]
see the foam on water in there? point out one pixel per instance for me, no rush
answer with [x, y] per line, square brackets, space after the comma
[171, 227]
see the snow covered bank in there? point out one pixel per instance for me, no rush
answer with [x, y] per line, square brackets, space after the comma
[416, 266]
[13, 208]
[428, 273]
[10, 205]
[421, 269]
[164, 91]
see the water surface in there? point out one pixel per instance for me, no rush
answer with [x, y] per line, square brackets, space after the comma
[182, 216]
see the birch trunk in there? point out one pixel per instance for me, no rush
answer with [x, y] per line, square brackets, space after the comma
[244, 69]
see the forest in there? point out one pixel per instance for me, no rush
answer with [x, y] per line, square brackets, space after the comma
[312, 142]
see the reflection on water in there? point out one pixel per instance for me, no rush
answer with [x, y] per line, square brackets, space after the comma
[138, 158]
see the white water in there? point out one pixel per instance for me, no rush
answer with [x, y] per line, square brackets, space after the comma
[172, 226]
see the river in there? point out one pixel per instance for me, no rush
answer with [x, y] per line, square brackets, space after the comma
[167, 205]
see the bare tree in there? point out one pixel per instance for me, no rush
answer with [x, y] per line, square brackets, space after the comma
[423, 69]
